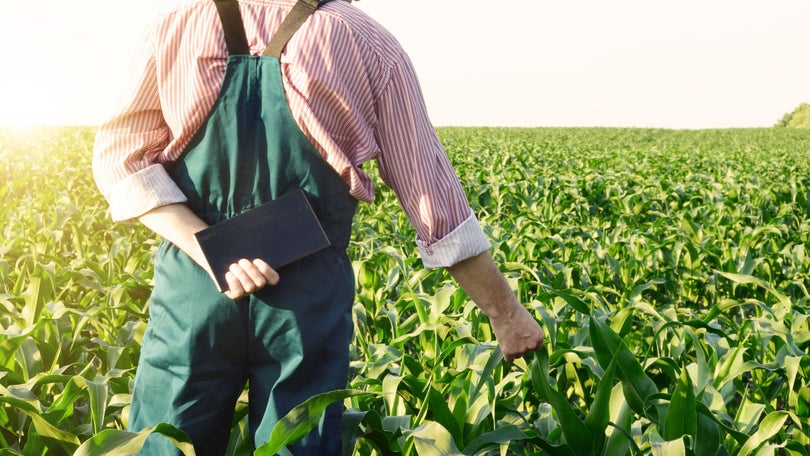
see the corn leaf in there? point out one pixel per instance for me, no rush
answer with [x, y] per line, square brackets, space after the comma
[500, 436]
[433, 439]
[301, 420]
[772, 424]
[115, 442]
[599, 414]
[707, 436]
[577, 434]
[637, 386]
[662, 447]
[681, 418]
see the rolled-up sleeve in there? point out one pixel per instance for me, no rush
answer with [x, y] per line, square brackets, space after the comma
[141, 192]
[128, 145]
[466, 241]
[414, 164]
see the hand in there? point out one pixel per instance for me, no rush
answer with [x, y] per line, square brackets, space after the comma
[517, 333]
[245, 277]
[177, 223]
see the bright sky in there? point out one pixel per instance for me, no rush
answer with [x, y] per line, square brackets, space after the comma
[634, 63]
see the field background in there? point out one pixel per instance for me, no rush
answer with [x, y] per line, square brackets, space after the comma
[669, 268]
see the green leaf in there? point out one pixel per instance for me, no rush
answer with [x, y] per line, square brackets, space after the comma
[35, 297]
[26, 404]
[302, 419]
[619, 440]
[451, 348]
[555, 450]
[390, 386]
[116, 442]
[441, 413]
[493, 361]
[637, 386]
[742, 278]
[599, 414]
[377, 434]
[572, 300]
[433, 404]
[735, 434]
[433, 439]
[53, 435]
[500, 436]
[749, 413]
[732, 366]
[577, 435]
[8, 349]
[707, 436]
[394, 424]
[803, 402]
[63, 406]
[351, 423]
[681, 416]
[662, 447]
[796, 448]
[98, 403]
[772, 424]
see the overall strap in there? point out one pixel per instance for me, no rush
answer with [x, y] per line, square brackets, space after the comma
[297, 16]
[235, 37]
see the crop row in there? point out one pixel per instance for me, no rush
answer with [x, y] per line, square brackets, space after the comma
[669, 270]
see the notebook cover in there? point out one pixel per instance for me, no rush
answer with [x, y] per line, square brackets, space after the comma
[279, 232]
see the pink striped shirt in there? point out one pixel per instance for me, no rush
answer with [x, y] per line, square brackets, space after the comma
[350, 87]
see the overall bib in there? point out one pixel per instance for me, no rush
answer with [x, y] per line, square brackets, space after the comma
[287, 342]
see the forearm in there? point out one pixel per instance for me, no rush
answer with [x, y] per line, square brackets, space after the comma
[480, 278]
[177, 224]
[515, 329]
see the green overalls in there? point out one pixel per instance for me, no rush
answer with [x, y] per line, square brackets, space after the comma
[288, 341]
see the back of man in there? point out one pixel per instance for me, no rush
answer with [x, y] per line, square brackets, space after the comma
[349, 85]
[194, 143]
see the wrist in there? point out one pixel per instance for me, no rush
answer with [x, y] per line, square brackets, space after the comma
[502, 309]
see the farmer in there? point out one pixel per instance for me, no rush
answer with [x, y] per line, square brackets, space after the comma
[228, 109]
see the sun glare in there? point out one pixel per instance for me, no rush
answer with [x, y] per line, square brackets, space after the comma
[52, 79]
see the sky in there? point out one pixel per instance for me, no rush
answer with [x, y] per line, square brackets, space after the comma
[689, 64]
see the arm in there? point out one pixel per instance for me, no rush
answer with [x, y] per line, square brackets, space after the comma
[515, 329]
[128, 172]
[177, 224]
[414, 164]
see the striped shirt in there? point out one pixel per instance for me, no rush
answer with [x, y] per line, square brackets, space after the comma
[351, 89]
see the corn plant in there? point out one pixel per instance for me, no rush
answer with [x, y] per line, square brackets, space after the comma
[669, 270]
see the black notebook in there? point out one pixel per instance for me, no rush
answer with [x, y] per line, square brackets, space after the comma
[279, 232]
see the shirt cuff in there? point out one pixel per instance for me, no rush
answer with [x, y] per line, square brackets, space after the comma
[466, 241]
[143, 191]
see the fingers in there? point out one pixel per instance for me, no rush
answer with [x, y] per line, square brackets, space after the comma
[518, 335]
[245, 277]
[270, 275]
[528, 344]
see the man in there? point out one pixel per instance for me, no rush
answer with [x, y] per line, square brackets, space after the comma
[199, 139]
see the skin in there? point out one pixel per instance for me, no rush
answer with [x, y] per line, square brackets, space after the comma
[177, 223]
[516, 331]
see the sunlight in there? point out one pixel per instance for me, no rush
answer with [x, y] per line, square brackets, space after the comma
[706, 65]
[38, 89]
[30, 138]
[59, 70]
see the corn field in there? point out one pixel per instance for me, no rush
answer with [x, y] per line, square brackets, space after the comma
[669, 269]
